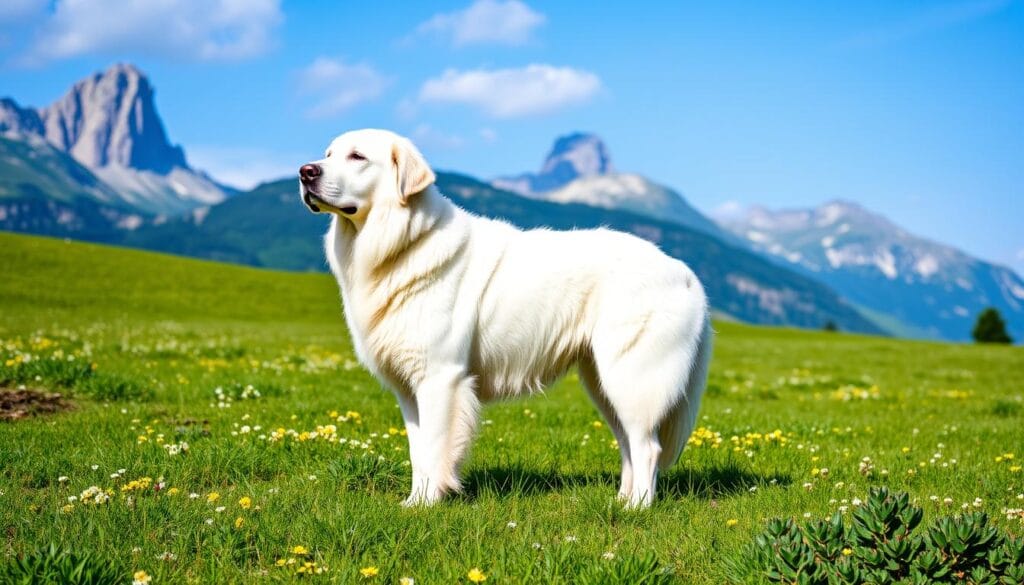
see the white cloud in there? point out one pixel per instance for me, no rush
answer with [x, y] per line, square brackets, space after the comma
[488, 135]
[339, 85]
[507, 22]
[508, 93]
[246, 167]
[189, 30]
[428, 137]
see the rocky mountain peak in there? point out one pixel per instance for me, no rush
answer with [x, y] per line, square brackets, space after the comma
[109, 119]
[572, 156]
[15, 119]
[577, 155]
[108, 123]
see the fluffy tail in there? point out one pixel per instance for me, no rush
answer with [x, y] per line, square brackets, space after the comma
[677, 425]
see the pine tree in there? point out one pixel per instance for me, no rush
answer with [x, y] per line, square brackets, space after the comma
[990, 328]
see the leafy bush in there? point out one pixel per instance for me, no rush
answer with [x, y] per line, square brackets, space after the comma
[638, 570]
[53, 566]
[879, 545]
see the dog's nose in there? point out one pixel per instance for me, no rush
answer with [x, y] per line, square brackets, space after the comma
[309, 173]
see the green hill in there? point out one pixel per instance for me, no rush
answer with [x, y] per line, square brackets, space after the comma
[44, 276]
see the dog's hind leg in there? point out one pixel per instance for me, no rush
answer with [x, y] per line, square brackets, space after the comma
[645, 450]
[592, 382]
[644, 371]
[448, 409]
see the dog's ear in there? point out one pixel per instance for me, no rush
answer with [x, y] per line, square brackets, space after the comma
[411, 170]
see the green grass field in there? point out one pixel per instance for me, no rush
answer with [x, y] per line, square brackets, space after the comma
[300, 447]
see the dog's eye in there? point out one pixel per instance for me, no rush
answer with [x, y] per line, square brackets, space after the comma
[355, 156]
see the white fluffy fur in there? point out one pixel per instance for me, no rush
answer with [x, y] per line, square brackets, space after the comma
[450, 310]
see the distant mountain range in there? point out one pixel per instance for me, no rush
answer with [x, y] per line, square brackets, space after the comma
[267, 227]
[108, 124]
[98, 165]
[909, 285]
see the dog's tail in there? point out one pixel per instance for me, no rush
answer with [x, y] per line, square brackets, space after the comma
[677, 425]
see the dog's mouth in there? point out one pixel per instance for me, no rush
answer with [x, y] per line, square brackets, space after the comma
[318, 204]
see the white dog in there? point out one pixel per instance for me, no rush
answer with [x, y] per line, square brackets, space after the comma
[450, 310]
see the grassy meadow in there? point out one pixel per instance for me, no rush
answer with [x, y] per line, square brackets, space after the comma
[219, 430]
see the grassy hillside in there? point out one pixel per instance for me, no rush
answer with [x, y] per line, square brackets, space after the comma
[300, 448]
[44, 276]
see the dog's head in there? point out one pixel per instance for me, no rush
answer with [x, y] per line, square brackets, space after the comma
[363, 168]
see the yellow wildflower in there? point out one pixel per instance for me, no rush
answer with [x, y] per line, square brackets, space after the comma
[731, 522]
[141, 578]
[476, 575]
[239, 522]
[212, 497]
[245, 502]
[847, 552]
[300, 550]
[368, 572]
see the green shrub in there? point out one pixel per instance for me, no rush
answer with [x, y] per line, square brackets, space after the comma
[637, 570]
[990, 328]
[53, 566]
[879, 545]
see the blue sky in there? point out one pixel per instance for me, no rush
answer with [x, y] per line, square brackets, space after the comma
[913, 109]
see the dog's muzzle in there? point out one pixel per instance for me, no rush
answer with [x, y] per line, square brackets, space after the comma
[318, 205]
[307, 198]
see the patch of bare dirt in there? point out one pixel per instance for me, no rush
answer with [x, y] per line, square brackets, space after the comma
[24, 402]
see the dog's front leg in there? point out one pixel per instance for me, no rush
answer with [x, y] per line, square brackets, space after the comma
[447, 409]
[411, 416]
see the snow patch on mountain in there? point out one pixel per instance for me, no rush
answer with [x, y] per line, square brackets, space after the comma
[927, 265]
[880, 266]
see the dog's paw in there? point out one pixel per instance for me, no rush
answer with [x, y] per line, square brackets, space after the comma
[421, 500]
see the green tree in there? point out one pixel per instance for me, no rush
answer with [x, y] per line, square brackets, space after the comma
[990, 328]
